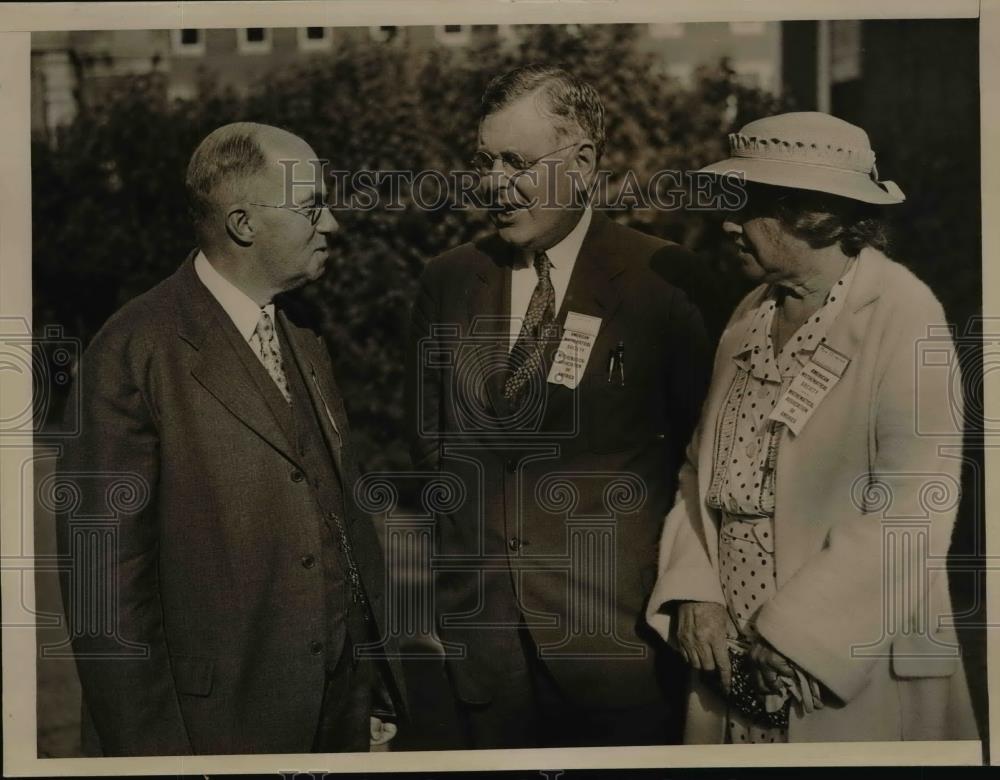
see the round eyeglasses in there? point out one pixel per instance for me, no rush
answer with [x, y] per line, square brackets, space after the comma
[483, 162]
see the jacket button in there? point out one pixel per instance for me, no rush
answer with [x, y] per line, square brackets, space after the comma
[308, 561]
[315, 647]
[511, 465]
[514, 543]
[297, 476]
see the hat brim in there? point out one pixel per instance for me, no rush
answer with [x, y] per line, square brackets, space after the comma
[806, 176]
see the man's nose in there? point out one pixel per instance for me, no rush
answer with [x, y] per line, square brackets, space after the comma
[327, 222]
[496, 177]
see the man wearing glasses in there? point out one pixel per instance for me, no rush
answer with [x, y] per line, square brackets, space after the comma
[245, 578]
[557, 376]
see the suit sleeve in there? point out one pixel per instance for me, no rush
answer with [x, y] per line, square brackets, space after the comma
[111, 589]
[691, 363]
[423, 392]
[685, 570]
[832, 617]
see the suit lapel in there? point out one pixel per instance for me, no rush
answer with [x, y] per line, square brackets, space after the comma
[488, 320]
[223, 366]
[593, 289]
[307, 358]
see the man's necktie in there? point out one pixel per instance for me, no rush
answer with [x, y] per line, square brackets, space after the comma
[265, 341]
[529, 350]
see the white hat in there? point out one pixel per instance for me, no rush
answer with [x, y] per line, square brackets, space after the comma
[808, 150]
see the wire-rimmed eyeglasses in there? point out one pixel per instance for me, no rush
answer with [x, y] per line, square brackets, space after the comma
[313, 213]
[482, 161]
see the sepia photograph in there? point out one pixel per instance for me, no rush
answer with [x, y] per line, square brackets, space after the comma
[419, 395]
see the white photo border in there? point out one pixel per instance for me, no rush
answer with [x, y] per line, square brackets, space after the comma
[17, 20]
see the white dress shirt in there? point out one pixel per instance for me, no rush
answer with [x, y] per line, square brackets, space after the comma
[562, 258]
[241, 308]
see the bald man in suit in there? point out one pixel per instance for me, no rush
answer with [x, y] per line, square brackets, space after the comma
[248, 579]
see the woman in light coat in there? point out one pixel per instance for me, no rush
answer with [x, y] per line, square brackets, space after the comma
[802, 568]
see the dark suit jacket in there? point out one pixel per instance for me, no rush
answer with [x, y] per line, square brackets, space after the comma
[217, 604]
[596, 471]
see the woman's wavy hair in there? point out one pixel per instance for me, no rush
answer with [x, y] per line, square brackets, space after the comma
[821, 219]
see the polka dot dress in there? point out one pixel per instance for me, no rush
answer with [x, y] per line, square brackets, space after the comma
[746, 562]
[743, 479]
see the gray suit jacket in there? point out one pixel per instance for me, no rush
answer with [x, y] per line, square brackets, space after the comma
[207, 642]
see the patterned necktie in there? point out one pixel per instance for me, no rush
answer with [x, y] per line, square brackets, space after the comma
[265, 341]
[529, 350]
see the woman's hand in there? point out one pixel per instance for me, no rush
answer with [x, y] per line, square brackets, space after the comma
[701, 633]
[770, 665]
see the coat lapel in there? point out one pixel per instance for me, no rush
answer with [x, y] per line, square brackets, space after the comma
[223, 366]
[846, 331]
[845, 335]
[306, 353]
[592, 286]
[487, 327]
[593, 289]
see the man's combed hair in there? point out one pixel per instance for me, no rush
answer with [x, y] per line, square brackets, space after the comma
[225, 158]
[571, 102]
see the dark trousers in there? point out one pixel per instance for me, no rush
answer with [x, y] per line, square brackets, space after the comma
[530, 710]
[347, 706]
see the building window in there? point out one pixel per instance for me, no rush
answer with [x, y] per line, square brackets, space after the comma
[315, 38]
[387, 32]
[666, 30]
[188, 42]
[746, 28]
[253, 40]
[453, 34]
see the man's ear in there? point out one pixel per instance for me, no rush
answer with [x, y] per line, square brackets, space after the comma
[239, 225]
[586, 159]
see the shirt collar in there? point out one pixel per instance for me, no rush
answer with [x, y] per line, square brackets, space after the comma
[756, 355]
[241, 308]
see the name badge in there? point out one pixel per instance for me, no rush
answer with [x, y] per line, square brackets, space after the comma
[812, 384]
[570, 361]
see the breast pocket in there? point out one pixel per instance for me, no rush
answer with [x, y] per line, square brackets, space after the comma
[621, 415]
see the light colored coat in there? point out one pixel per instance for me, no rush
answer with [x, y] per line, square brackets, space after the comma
[866, 498]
